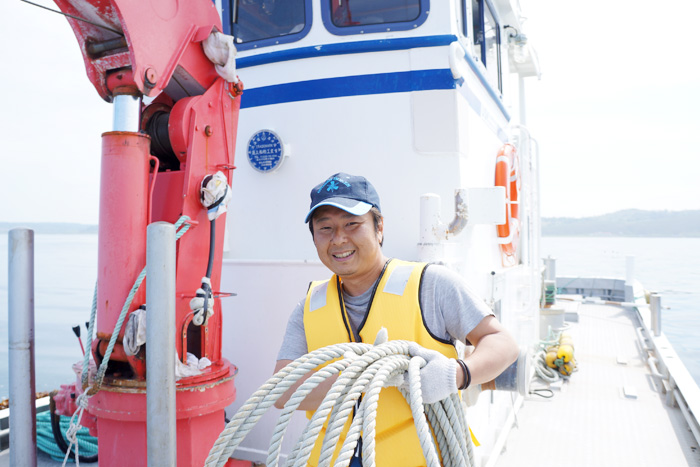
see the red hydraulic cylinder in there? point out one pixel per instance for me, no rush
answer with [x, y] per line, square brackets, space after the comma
[123, 220]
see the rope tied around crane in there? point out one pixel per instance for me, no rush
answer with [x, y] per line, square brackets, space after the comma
[363, 370]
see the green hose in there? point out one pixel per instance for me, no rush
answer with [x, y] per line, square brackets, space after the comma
[46, 443]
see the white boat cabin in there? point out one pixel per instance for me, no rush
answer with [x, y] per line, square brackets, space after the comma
[416, 95]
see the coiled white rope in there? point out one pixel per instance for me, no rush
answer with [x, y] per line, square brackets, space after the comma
[542, 370]
[365, 369]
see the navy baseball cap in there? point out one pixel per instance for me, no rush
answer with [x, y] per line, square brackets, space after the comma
[350, 193]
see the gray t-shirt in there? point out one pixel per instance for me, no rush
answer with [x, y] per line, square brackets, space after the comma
[450, 310]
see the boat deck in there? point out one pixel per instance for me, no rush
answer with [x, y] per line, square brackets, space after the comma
[609, 413]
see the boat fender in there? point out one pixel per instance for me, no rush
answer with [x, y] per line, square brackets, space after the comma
[565, 361]
[568, 368]
[566, 353]
[551, 356]
[566, 348]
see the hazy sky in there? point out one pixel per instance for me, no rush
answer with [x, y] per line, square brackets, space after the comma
[616, 110]
[615, 113]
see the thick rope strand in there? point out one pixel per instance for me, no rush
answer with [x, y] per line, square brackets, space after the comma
[395, 364]
[88, 348]
[290, 407]
[416, 403]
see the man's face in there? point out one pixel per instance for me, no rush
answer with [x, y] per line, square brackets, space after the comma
[347, 244]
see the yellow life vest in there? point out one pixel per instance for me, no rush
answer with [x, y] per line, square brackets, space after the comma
[395, 305]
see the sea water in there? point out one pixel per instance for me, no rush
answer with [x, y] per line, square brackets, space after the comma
[65, 269]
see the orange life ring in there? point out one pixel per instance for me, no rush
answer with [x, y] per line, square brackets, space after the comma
[508, 176]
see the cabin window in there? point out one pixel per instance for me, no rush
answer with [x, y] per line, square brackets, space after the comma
[477, 25]
[269, 22]
[486, 37]
[491, 48]
[344, 17]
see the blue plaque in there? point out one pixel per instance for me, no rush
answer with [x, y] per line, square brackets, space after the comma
[265, 151]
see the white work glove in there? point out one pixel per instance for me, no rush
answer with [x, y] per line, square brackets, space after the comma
[438, 377]
[382, 336]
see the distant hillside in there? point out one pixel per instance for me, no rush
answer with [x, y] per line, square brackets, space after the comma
[627, 223]
[49, 227]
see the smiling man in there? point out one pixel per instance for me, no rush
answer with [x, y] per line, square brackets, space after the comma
[426, 304]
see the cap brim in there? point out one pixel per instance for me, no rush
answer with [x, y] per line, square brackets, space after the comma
[352, 206]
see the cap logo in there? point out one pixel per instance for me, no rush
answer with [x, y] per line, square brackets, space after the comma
[350, 193]
[332, 185]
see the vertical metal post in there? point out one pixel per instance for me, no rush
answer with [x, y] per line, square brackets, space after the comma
[655, 305]
[629, 278]
[521, 100]
[550, 264]
[160, 338]
[21, 347]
